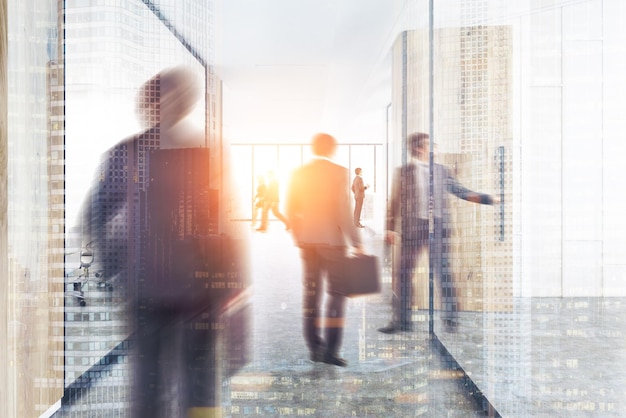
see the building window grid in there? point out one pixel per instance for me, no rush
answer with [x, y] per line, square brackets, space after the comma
[133, 33]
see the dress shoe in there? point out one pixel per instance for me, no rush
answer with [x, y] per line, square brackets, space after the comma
[390, 328]
[334, 360]
[316, 356]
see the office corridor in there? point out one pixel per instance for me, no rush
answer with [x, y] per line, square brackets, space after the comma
[387, 375]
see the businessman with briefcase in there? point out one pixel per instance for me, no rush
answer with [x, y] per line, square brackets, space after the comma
[320, 216]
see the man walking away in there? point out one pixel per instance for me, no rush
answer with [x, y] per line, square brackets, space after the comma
[318, 210]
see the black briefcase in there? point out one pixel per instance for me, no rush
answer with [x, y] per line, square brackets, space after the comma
[354, 276]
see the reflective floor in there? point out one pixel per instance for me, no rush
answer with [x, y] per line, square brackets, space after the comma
[546, 358]
[387, 375]
[397, 375]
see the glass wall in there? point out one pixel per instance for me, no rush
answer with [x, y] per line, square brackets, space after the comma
[102, 95]
[256, 160]
[130, 76]
[74, 70]
[32, 370]
[513, 264]
[520, 101]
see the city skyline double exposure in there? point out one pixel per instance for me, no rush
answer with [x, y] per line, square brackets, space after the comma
[511, 300]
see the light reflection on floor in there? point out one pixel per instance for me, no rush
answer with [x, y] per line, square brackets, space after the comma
[549, 357]
[388, 375]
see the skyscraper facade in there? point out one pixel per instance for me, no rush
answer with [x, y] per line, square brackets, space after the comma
[112, 49]
[74, 70]
[33, 294]
[523, 100]
[519, 103]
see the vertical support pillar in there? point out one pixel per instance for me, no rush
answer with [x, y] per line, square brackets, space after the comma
[5, 402]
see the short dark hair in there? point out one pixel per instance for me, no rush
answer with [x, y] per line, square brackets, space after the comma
[152, 96]
[417, 140]
[323, 144]
[357, 170]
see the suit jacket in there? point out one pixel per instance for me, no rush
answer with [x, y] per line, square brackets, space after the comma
[358, 188]
[318, 205]
[402, 214]
[111, 210]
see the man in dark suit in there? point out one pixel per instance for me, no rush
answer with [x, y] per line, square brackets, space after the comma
[318, 210]
[151, 220]
[407, 222]
[358, 188]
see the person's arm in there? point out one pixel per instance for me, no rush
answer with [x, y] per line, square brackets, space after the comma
[104, 200]
[456, 188]
[393, 207]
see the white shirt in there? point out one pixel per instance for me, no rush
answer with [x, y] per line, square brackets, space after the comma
[421, 185]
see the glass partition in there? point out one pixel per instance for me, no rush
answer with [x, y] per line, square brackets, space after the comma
[256, 160]
[32, 210]
[503, 162]
[523, 105]
[103, 90]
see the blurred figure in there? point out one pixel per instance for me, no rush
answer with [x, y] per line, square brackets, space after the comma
[163, 103]
[151, 216]
[259, 199]
[358, 189]
[318, 209]
[407, 219]
[271, 203]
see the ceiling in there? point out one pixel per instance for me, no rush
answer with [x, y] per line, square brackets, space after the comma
[295, 67]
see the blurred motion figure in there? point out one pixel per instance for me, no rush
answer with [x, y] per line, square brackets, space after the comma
[318, 209]
[153, 215]
[408, 226]
[271, 203]
[258, 203]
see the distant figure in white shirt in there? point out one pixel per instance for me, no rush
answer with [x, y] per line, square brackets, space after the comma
[358, 188]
